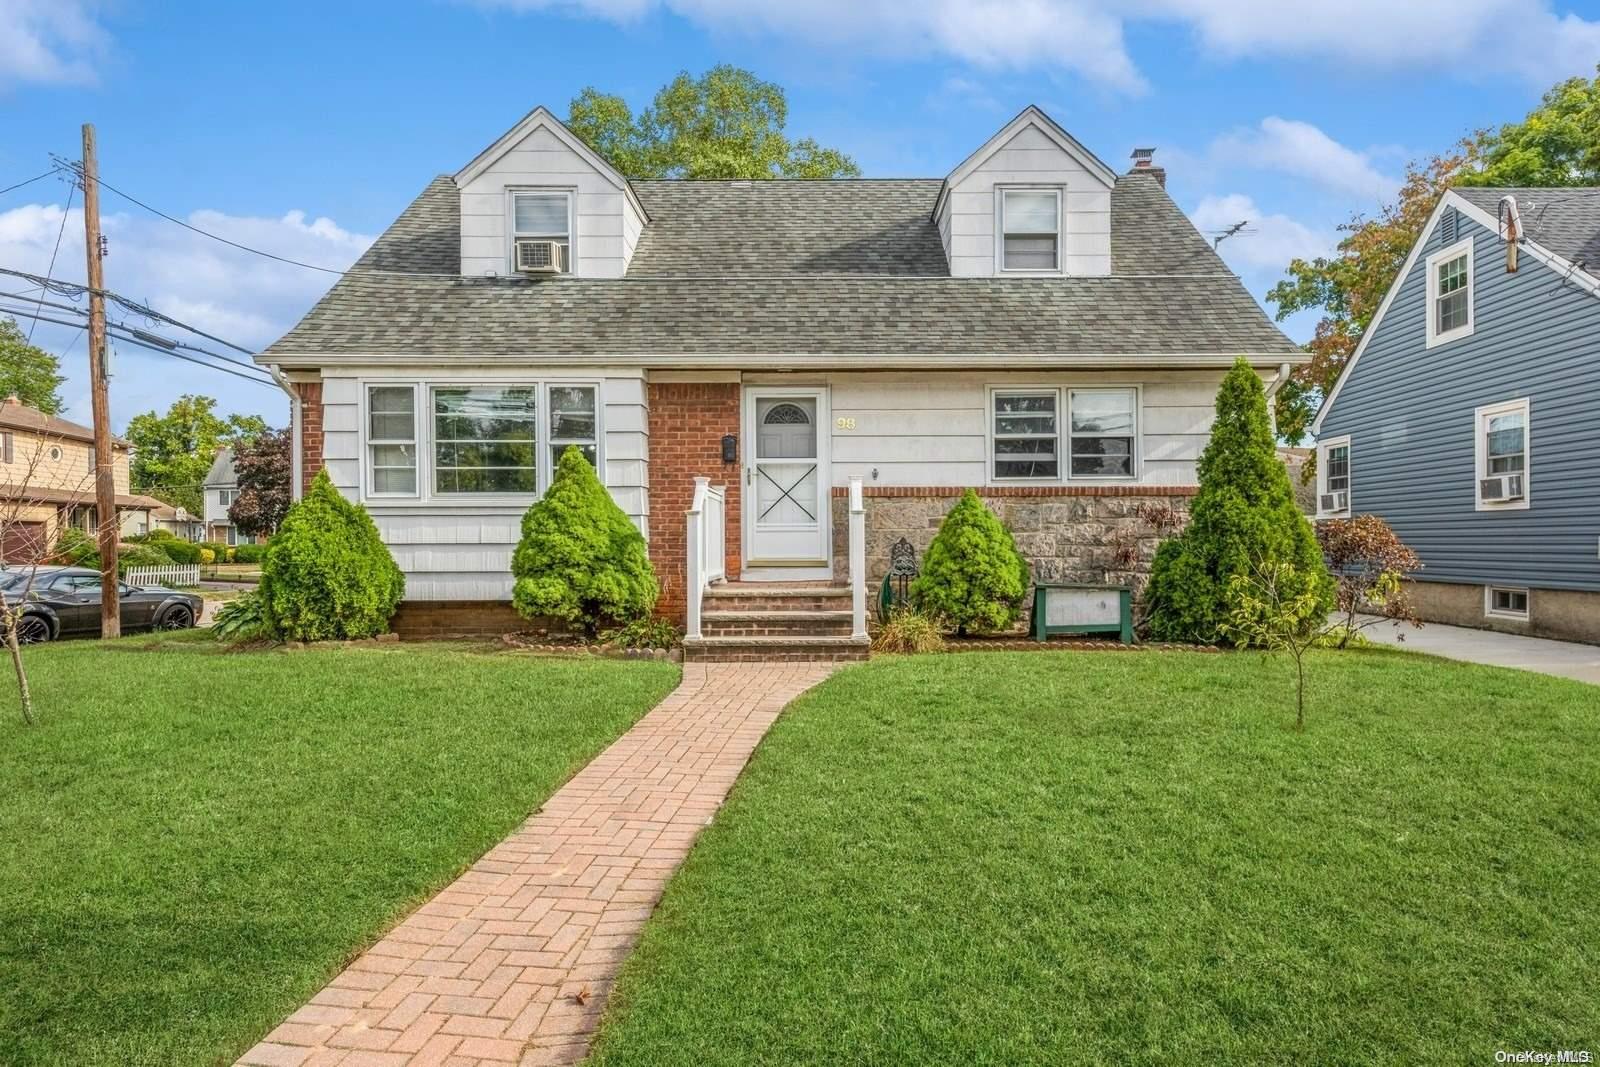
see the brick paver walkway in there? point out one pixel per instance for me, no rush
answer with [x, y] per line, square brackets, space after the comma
[512, 962]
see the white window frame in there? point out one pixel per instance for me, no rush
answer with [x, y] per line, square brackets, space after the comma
[1480, 453]
[995, 392]
[1136, 456]
[1000, 192]
[1462, 247]
[368, 441]
[1492, 612]
[1325, 446]
[226, 497]
[571, 236]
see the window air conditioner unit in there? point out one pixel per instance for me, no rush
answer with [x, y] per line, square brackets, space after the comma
[1332, 502]
[1499, 488]
[539, 257]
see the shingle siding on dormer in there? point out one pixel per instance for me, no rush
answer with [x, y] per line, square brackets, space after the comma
[1410, 412]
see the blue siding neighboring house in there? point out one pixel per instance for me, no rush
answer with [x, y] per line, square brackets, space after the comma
[1469, 418]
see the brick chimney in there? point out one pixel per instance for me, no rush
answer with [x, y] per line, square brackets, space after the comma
[1144, 162]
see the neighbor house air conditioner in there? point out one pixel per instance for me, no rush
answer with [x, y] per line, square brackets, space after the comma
[539, 257]
[1499, 488]
[1335, 502]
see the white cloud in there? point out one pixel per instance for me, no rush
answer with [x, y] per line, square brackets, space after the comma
[1524, 38]
[1267, 244]
[48, 42]
[242, 298]
[1303, 150]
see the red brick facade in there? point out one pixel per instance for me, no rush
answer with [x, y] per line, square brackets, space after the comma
[687, 423]
[310, 430]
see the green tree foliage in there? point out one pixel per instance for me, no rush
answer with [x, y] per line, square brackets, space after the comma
[327, 574]
[973, 577]
[581, 560]
[1557, 144]
[1275, 608]
[1243, 517]
[173, 452]
[727, 123]
[28, 372]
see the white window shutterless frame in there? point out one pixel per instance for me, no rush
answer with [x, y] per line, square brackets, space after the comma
[1503, 446]
[1028, 230]
[541, 214]
[391, 432]
[1450, 294]
[787, 517]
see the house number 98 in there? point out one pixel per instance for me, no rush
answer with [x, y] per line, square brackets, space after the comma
[845, 422]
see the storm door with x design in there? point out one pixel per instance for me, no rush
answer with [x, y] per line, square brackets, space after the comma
[786, 495]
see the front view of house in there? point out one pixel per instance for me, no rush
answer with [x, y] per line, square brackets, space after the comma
[1033, 325]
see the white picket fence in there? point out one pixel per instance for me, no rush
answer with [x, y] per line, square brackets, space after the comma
[175, 574]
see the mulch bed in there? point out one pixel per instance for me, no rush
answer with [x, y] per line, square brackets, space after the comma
[546, 643]
[1064, 643]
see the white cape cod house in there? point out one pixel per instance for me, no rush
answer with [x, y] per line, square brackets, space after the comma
[1033, 325]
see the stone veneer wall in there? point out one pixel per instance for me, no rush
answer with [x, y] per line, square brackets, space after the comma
[1067, 533]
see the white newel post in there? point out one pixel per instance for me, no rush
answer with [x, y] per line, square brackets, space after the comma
[694, 554]
[858, 560]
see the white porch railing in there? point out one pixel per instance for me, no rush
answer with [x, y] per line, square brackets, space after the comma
[176, 574]
[705, 547]
[858, 561]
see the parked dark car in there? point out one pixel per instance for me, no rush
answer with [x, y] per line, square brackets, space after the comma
[65, 602]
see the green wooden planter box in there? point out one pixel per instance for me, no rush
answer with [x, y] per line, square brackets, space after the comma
[1071, 608]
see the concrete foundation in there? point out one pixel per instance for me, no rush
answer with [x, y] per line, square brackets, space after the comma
[1563, 614]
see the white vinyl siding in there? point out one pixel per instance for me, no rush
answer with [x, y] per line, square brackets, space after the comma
[1450, 293]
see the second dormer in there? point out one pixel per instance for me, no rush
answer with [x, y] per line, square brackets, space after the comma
[1031, 202]
[540, 203]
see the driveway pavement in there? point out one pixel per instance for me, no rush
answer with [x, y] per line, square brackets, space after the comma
[1563, 658]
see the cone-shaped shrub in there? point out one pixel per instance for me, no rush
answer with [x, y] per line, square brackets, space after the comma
[327, 574]
[1243, 518]
[973, 576]
[581, 560]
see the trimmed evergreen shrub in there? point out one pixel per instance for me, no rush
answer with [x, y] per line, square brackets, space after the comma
[581, 560]
[207, 556]
[249, 553]
[220, 551]
[1243, 519]
[145, 555]
[180, 551]
[973, 577]
[76, 548]
[327, 574]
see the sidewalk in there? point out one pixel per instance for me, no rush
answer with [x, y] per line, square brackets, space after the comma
[1562, 658]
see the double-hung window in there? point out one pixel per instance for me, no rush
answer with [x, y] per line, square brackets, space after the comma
[537, 218]
[1501, 450]
[1030, 228]
[572, 422]
[1450, 293]
[485, 439]
[392, 440]
[1027, 435]
[1103, 426]
[1333, 477]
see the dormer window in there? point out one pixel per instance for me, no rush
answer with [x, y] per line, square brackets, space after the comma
[1030, 230]
[541, 232]
[1450, 293]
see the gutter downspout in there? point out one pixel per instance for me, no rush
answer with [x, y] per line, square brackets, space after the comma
[1273, 386]
[296, 489]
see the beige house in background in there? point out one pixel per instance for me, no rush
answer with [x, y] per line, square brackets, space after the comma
[47, 482]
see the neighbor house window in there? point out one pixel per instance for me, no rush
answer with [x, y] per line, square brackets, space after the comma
[485, 439]
[1450, 293]
[225, 497]
[392, 439]
[1103, 427]
[1030, 228]
[540, 217]
[1501, 450]
[572, 422]
[1333, 477]
[1026, 433]
[1505, 602]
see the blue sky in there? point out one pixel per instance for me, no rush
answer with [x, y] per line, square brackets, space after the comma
[304, 129]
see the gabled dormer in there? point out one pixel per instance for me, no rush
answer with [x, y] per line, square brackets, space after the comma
[539, 202]
[1031, 202]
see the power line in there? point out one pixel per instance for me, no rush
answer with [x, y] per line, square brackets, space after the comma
[73, 166]
[53, 253]
[123, 338]
[73, 290]
[30, 181]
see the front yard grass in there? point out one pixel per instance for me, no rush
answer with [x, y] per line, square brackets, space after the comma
[1082, 858]
[193, 841]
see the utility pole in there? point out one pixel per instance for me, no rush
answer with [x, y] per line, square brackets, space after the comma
[105, 485]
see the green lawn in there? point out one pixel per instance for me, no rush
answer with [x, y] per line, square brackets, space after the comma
[1083, 858]
[193, 841]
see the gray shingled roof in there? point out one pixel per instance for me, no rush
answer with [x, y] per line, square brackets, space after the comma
[839, 268]
[1564, 220]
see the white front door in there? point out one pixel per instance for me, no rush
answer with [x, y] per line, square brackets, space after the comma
[786, 507]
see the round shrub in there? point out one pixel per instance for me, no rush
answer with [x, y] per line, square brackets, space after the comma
[581, 560]
[1244, 518]
[180, 551]
[146, 555]
[220, 552]
[207, 556]
[327, 574]
[76, 548]
[973, 577]
[249, 553]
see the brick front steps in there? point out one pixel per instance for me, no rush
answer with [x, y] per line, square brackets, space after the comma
[761, 621]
